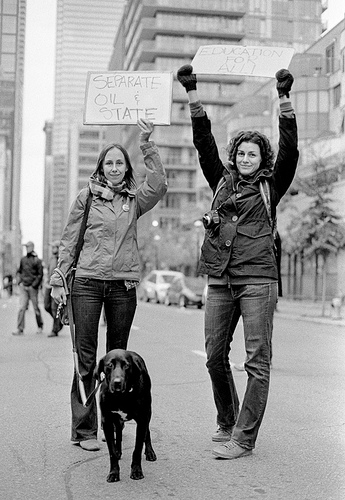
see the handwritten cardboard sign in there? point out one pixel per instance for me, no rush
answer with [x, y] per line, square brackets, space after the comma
[121, 97]
[241, 60]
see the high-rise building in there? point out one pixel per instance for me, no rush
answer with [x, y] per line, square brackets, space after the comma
[12, 42]
[162, 35]
[84, 40]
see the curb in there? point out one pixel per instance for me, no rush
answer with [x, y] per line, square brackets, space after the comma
[312, 319]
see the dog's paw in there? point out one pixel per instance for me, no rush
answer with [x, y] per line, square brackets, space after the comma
[136, 472]
[113, 477]
[150, 455]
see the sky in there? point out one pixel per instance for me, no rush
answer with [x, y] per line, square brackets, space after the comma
[38, 107]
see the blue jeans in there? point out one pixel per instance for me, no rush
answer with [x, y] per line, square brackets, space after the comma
[27, 293]
[88, 297]
[224, 307]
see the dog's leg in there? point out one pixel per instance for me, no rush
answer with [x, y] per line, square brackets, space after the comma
[149, 451]
[136, 470]
[119, 425]
[108, 429]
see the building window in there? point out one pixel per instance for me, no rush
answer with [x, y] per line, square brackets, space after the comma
[8, 43]
[9, 7]
[171, 200]
[9, 24]
[336, 96]
[8, 62]
[330, 55]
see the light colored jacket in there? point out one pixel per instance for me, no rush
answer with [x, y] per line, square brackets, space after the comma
[110, 249]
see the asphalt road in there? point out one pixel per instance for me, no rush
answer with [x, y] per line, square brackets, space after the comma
[300, 451]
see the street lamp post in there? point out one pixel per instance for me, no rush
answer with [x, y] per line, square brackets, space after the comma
[156, 239]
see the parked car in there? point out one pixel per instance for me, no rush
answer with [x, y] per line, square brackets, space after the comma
[155, 284]
[185, 291]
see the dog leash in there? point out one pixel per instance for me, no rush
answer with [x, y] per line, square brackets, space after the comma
[85, 400]
[71, 326]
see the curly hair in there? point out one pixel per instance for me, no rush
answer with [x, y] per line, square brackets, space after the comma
[129, 175]
[267, 154]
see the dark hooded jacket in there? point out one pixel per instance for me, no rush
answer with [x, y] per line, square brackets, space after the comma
[30, 271]
[243, 242]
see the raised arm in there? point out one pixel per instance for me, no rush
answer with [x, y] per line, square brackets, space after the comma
[287, 157]
[155, 185]
[203, 139]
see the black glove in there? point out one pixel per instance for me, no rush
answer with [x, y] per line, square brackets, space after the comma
[284, 82]
[186, 77]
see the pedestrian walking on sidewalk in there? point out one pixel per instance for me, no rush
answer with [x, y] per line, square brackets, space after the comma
[238, 255]
[108, 268]
[49, 303]
[29, 279]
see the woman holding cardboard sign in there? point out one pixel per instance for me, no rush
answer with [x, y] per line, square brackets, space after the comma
[107, 270]
[238, 255]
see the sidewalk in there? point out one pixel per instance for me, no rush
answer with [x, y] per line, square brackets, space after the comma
[308, 310]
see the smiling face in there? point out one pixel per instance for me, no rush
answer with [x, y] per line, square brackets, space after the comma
[248, 158]
[114, 166]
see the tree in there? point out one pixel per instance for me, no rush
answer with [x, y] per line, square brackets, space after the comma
[318, 231]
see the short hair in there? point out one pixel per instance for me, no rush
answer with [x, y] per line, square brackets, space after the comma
[267, 154]
[129, 175]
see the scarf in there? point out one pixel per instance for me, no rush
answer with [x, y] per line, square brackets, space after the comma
[105, 189]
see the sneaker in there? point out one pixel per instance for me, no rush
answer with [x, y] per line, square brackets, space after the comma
[18, 332]
[230, 451]
[222, 435]
[90, 445]
[39, 330]
[52, 334]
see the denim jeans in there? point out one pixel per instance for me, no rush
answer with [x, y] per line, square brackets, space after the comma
[27, 293]
[224, 307]
[88, 297]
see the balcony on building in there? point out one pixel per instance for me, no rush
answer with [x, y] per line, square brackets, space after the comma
[149, 8]
[167, 38]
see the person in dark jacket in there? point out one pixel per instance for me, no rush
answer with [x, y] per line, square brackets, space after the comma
[49, 303]
[29, 278]
[238, 255]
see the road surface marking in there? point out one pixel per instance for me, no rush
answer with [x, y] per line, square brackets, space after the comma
[200, 353]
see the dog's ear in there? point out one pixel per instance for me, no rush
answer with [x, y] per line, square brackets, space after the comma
[99, 370]
[138, 366]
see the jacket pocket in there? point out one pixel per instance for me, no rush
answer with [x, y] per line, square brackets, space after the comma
[253, 245]
[254, 230]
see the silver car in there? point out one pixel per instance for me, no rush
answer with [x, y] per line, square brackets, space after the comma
[155, 285]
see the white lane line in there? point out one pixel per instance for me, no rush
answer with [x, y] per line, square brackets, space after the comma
[200, 353]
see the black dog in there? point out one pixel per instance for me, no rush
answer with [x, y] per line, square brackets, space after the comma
[125, 394]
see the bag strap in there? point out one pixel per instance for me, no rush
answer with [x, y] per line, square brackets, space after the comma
[80, 241]
[266, 197]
